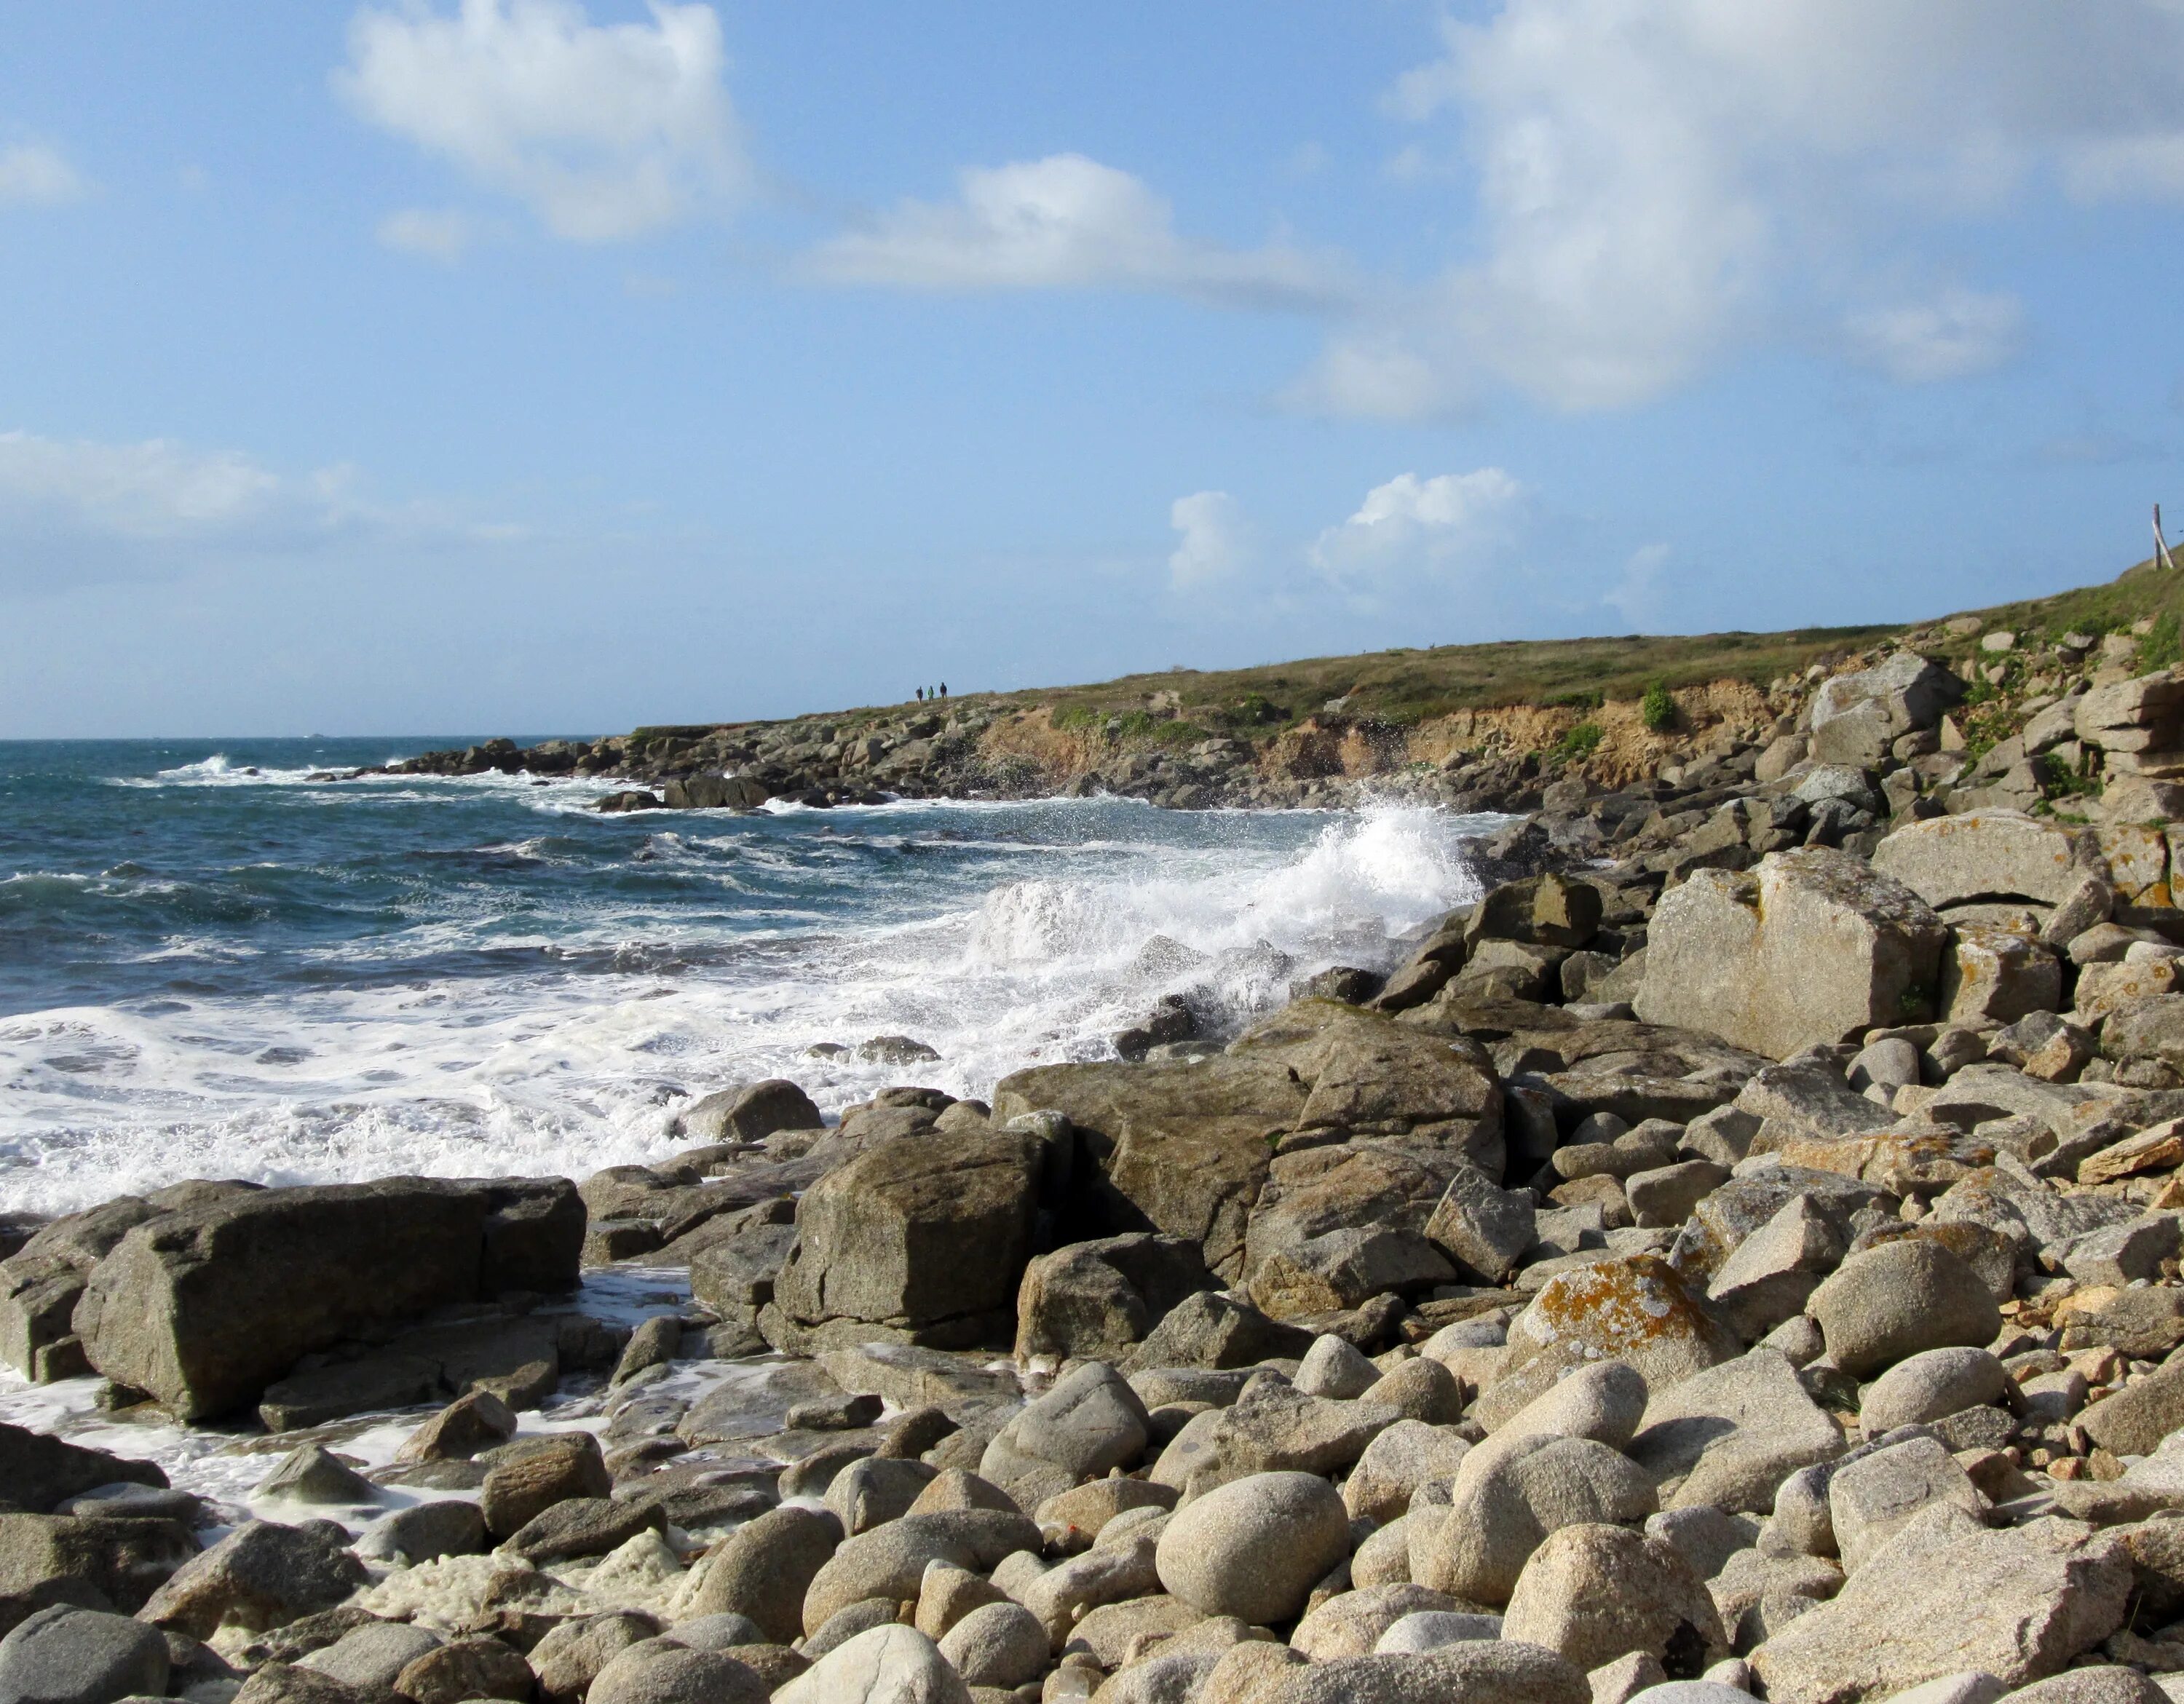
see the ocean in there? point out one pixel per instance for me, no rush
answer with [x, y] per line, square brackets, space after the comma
[215, 964]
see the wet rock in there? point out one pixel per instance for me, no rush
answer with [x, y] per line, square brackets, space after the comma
[206, 1307]
[579, 1527]
[457, 1431]
[527, 1477]
[750, 1113]
[38, 1470]
[373, 1655]
[260, 1575]
[424, 1532]
[64, 1654]
[658, 1672]
[926, 1239]
[1098, 1300]
[763, 1569]
[463, 1668]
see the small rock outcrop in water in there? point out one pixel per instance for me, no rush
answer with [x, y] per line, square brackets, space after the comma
[1738, 1256]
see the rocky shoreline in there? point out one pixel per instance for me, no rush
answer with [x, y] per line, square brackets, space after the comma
[1738, 1256]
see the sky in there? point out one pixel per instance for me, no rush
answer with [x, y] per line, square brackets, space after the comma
[560, 365]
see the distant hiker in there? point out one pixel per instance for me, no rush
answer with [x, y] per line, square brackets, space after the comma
[921, 695]
[943, 690]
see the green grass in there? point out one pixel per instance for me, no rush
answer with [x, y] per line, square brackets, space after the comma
[1401, 688]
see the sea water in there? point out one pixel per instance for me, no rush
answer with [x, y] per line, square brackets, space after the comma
[215, 962]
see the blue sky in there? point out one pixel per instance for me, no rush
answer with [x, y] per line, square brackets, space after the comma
[562, 364]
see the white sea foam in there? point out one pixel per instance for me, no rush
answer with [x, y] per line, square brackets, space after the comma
[547, 1070]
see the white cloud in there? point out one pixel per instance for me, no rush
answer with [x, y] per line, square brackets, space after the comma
[34, 174]
[438, 234]
[1215, 542]
[604, 132]
[74, 510]
[1636, 595]
[1955, 335]
[1066, 222]
[1444, 527]
[1659, 182]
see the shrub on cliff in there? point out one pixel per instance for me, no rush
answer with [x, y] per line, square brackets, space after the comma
[1657, 709]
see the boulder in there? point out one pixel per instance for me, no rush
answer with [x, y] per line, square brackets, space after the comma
[1255, 1547]
[482, 1667]
[1857, 717]
[1483, 1227]
[1813, 945]
[1098, 1300]
[1983, 856]
[372, 1654]
[526, 1479]
[1215, 1330]
[1091, 1421]
[1396, 1463]
[204, 1308]
[1505, 1502]
[1178, 1149]
[1592, 1593]
[95, 1560]
[749, 1113]
[1989, 971]
[1273, 1428]
[1946, 1595]
[260, 1575]
[925, 1240]
[1874, 1495]
[64, 1654]
[1930, 1386]
[890, 1562]
[1773, 1272]
[39, 1470]
[423, 1532]
[764, 1568]
[1350, 1623]
[1729, 1436]
[1637, 1309]
[2134, 1420]
[1472, 1672]
[655, 1671]
[999, 1644]
[1899, 1300]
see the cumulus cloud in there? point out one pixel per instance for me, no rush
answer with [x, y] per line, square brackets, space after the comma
[437, 233]
[35, 175]
[604, 132]
[1066, 222]
[1214, 540]
[1449, 526]
[1659, 182]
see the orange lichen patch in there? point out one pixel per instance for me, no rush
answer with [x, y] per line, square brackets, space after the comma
[1631, 1309]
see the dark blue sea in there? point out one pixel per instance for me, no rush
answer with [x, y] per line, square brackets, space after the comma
[216, 963]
